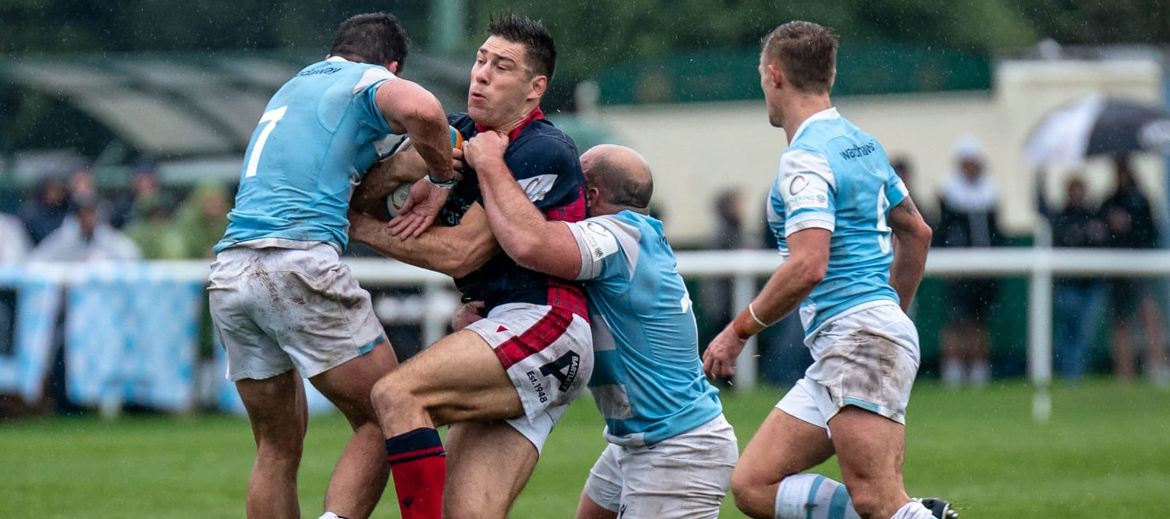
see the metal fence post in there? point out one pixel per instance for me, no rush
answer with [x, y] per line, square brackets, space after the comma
[746, 364]
[1040, 325]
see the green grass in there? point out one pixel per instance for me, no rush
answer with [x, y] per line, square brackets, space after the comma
[1106, 453]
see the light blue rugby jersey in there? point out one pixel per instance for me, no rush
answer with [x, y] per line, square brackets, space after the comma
[312, 146]
[647, 377]
[835, 176]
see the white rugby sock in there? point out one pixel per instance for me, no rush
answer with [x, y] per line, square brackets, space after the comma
[812, 496]
[980, 373]
[912, 510]
[330, 515]
[952, 373]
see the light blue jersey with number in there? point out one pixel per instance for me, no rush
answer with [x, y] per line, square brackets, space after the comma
[647, 377]
[314, 143]
[836, 177]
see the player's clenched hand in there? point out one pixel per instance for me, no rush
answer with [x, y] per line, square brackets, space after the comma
[484, 148]
[466, 314]
[419, 211]
[719, 359]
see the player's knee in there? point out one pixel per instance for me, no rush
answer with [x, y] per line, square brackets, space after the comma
[389, 393]
[749, 493]
[282, 449]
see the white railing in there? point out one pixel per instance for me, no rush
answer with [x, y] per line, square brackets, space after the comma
[1038, 264]
[746, 267]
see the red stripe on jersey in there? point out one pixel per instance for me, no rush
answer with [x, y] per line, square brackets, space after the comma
[562, 294]
[536, 338]
[572, 212]
[535, 114]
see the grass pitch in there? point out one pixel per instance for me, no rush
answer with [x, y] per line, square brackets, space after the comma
[1105, 453]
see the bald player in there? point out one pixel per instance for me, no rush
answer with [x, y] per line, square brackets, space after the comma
[671, 451]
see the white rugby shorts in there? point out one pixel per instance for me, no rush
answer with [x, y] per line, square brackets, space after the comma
[548, 354]
[278, 309]
[868, 359]
[684, 477]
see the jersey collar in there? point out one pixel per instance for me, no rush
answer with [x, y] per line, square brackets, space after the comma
[337, 59]
[827, 114]
[535, 114]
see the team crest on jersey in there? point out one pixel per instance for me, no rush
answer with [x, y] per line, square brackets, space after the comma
[600, 241]
[537, 187]
[806, 193]
[797, 185]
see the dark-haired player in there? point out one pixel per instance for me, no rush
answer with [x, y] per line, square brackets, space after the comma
[280, 298]
[504, 381]
[856, 248]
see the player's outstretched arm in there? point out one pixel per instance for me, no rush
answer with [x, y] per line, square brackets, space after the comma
[523, 232]
[808, 259]
[911, 243]
[411, 109]
[455, 251]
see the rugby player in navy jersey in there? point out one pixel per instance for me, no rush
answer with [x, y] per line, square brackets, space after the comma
[280, 298]
[504, 381]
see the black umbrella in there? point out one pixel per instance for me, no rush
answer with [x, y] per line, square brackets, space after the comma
[1094, 125]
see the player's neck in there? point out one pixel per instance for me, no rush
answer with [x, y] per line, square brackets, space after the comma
[799, 108]
[516, 121]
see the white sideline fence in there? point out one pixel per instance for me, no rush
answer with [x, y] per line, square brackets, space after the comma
[746, 267]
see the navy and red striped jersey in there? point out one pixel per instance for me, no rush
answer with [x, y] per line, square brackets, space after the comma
[544, 161]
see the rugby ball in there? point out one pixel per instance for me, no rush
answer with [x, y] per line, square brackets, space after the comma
[396, 199]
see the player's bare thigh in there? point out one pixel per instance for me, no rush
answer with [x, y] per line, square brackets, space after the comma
[457, 379]
[348, 386]
[488, 464]
[870, 450]
[784, 445]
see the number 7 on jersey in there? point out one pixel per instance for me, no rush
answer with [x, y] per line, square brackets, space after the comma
[271, 117]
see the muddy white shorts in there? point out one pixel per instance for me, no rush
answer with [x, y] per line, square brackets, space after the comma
[277, 309]
[867, 359]
[547, 353]
[684, 477]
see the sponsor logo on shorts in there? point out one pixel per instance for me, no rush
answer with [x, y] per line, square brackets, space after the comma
[563, 369]
[537, 386]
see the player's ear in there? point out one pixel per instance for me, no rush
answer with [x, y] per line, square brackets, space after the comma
[776, 74]
[537, 86]
[394, 67]
[592, 195]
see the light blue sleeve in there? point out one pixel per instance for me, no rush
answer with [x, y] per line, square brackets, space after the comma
[365, 102]
[602, 248]
[807, 187]
[896, 191]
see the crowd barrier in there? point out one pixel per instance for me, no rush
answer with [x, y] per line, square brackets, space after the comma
[131, 329]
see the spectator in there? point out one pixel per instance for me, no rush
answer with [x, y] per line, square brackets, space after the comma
[84, 237]
[202, 219]
[717, 293]
[144, 195]
[1131, 225]
[967, 218]
[1078, 300]
[905, 171]
[155, 234]
[48, 208]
